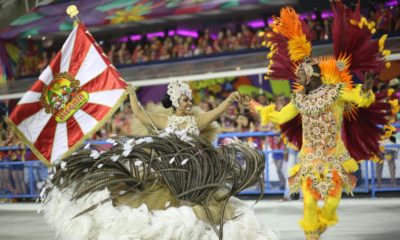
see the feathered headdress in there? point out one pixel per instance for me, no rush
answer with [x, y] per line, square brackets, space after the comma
[355, 52]
[289, 42]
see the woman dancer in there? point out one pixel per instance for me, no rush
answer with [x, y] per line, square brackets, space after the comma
[172, 185]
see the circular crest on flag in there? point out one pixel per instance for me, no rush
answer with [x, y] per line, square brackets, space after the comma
[63, 97]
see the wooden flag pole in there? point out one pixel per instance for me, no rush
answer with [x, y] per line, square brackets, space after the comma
[131, 90]
[151, 121]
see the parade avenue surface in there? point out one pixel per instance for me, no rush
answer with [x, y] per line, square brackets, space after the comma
[360, 219]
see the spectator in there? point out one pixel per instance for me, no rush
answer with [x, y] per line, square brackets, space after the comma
[247, 36]
[123, 54]
[17, 170]
[244, 123]
[44, 61]
[31, 59]
[262, 99]
[205, 38]
[384, 19]
[189, 47]
[205, 106]
[228, 40]
[389, 156]
[5, 183]
[276, 143]
[164, 53]
[138, 54]
[237, 42]
[327, 34]
[228, 119]
[255, 41]
[199, 50]
[179, 48]
[166, 49]
[218, 44]
[146, 53]
[22, 69]
[155, 49]
[112, 54]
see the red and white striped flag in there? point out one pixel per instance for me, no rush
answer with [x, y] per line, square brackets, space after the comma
[71, 100]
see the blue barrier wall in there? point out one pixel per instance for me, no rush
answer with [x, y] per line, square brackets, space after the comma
[25, 179]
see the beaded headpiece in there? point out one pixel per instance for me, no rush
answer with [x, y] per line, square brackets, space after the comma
[176, 89]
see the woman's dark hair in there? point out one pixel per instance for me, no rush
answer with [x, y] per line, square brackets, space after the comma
[166, 101]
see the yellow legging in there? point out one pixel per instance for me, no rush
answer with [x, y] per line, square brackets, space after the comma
[316, 220]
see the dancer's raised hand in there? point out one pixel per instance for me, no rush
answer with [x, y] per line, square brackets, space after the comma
[234, 97]
[369, 81]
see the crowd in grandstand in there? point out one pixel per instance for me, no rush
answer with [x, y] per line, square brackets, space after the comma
[176, 46]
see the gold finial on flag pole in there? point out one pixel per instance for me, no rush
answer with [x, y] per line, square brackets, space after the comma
[73, 12]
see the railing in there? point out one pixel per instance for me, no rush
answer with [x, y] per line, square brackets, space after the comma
[28, 177]
[363, 182]
[389, 180]
[22, 179]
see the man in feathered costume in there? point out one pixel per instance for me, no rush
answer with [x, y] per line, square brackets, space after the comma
[333, 121]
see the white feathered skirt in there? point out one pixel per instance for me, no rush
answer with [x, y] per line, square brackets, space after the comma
[107, 222]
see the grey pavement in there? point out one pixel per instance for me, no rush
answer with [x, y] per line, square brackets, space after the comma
[359, 219]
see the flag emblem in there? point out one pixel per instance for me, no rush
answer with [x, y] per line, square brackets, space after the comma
[63, 97]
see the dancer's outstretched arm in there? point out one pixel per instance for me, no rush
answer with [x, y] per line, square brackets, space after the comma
[361, 95]
[208, 117]
[159, 122]
[268, 113]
